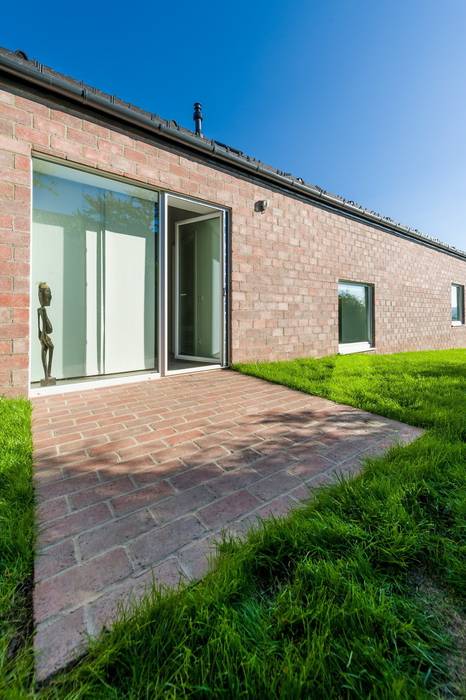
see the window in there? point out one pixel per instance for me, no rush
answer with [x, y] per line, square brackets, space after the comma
[457, 304]
[355, 317]
[94, 242]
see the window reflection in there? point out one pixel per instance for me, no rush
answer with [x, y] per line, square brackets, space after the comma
[95, 243]
[457, 303]
[355, 313]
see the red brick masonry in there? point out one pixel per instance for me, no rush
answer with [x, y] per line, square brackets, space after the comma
[134, 483]
[286, 261]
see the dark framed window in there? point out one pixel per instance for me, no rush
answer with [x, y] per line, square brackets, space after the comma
[457, 304]
[355, 316]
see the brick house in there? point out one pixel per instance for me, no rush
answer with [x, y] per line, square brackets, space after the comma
[167, 252]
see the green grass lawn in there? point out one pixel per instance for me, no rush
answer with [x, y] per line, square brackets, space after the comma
[359, 594]
[16, 547]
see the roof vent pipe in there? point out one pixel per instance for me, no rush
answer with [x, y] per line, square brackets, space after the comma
[197, 116]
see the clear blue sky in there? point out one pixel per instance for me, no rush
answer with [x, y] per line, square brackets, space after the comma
[366, 99]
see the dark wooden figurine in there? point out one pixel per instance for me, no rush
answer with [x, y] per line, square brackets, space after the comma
[45, 329]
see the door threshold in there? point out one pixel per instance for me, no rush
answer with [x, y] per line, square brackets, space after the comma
[74, 387]
[187, 370]
[100, 383]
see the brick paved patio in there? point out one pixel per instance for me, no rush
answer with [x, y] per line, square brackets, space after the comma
[135, 483]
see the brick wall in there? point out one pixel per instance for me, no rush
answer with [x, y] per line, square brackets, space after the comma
[286, 261]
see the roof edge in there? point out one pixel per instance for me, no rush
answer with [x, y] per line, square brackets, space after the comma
[36, 74]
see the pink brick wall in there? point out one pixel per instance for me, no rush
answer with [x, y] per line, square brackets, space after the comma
[285, 262]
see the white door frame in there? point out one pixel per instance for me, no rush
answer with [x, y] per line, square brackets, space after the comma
[194, 358]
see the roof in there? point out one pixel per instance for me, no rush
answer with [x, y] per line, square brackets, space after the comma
[33, 73]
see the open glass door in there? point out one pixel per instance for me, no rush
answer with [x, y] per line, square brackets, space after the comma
[198, 284]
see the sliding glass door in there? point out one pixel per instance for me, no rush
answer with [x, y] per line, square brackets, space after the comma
[95, 243]
[198, 303]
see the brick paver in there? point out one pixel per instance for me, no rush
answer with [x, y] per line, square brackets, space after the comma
[135, 483]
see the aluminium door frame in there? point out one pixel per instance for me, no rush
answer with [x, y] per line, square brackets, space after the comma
[219, 214]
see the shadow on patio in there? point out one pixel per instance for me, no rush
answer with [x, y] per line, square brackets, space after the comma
[136, 483]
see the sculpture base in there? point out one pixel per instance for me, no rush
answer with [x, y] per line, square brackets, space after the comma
[50, 381]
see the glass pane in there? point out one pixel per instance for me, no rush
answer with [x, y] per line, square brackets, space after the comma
[96, 248]
[208, 289]
[354, 302]
[199, 289]
[456, 302]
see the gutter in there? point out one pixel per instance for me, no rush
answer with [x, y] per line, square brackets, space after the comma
[34, 73]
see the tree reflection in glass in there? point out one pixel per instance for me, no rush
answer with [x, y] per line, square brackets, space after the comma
[97, 246]
[354, 313]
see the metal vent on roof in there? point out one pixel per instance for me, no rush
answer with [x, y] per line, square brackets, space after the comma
[197, 116]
